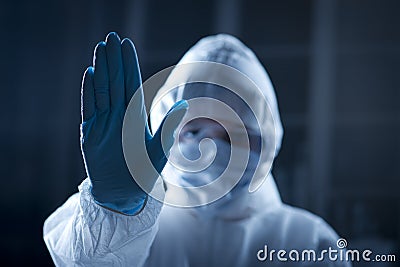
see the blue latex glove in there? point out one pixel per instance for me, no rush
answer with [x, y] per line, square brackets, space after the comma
[107, 88]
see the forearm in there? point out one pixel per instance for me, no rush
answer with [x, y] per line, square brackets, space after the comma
[82, 233]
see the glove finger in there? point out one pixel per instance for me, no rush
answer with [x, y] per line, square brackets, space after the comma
[88, 104]
[131, 69]
[101, 88]
[115, 70]
[163, 139]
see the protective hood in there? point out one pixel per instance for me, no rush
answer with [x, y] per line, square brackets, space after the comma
[216, 63]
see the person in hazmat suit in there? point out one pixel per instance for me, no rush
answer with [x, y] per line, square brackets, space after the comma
[191, 185]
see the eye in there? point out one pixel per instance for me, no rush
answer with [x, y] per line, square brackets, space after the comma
[190, 133]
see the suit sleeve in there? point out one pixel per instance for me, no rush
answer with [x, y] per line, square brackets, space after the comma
[82, 233]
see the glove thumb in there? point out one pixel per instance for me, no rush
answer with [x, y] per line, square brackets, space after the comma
[163, 139]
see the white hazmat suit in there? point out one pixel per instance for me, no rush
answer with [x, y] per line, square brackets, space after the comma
[232, 231]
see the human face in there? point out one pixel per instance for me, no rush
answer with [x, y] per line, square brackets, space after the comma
[197, 129]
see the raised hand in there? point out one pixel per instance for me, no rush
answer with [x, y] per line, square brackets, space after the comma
[107, 88]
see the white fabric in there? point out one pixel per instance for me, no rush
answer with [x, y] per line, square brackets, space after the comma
[82, 233]
[224, 233]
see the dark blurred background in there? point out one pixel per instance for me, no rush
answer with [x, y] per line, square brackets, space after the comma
[335, 66]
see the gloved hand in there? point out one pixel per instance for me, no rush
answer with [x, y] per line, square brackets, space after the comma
[107, 88]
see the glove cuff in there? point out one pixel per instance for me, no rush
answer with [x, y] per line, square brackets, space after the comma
[133, 209]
